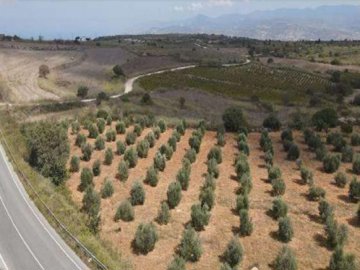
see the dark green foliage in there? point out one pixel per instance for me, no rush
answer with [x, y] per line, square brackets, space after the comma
[180, 128]
[109, 156]
[325, 210]
[169, 152]
[339, 144]
[142, 148]
[210, 182]
[269, 157]
[120, 127]
[347, 128]
[226, 266]
[336, 235]
[151, 177]
[331, 163]
[278, 187]
[285, 231]
[48, 149]
[294, 152]
[99, 143]
[233, 254]
[213, 167]
[123, 171]
[138, 130]
[118, 71]
[356, 164]
[307, 176]
[110, 135]
[272, 123]
[354, 190]
[220, 136]
[162, 126]
[340, 179]
[195, 143]
[241, 166]
[314, 142]
[190, 155]
[102, 114]
[246, 184]
[150, 137]
[91, 206]
[157, 132]
[125, 212]
[109, 120]
[82, 91]
[137, 194]
[130, 138]
[159, 162]
[279, 208]
[86, 179]
[174, 194]
[234, 119]
[131, 157]
[146, 99]
[332, 137]
[75, 164]
[287, 144]
[120, 148]
[355, 139]
[316, 193]
[80, 140]
[146, 237]
[96, 168]
[93, 131]
[285, 260]
[342, 261]
[287, 135]
[190, 246]
[207, 197]
[100, 123]
[274, 172]
[200, 216]
[177, 263]
[325, 118]
[107, 189]
[183, 177]
[246, 226]
[242, 202]
[163, 216]
[321, 152]
[215, 153]
[243, 147]
[75, 127]
[86, 150]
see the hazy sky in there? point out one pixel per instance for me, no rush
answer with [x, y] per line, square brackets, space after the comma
[67, 19]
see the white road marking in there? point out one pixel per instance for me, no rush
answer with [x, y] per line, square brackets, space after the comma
[35, 214]
[3, 265]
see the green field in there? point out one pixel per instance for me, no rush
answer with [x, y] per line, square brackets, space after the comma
[249, 82]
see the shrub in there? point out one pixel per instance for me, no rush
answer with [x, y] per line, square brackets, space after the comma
[190, 246]
[244, 148]
[272, 122]
[325, 210]
[44, 70]
[80, 140]
[285, 260]
[137, 194]
[246, 184]
[120, 127]
[82, 91]
[142, 148]
[157, 132]
[102, 114]
[169, 152]
[340, 179]
[264, 138]
[109, 120]
[339, 144]
[241, 167]
[150, 137]
[332, 137]
[190, 155]
[335, 235]
[109, 156]
[316, 193]
[75, 164]
[325, 118]
[278, 187]
[180, 129]
[151, 177]
[86, 150]
[123, 171]
[195, 143]
[174, 194]
[75, 127]
[347, 128]
[220, 139]
[285, 231]
[91, 206]
[177, 263]
[159, 162]
[131, 157]
[99, 143]
[294, 152]
[130, 138]
[274, 173]
[341, 261]
[286, 145]
[100, 123]
[163, 216]
[120, 148]
[146, 237]
[307, 176]
[331, 163]
[207, 197]
[162, 126]
[138, 130]
[234, 119]
[314, 142]
[215, 153]
[233, 254]
[125, 212]
[279, 208]
[200, 216]
[213, 167]
[321, 152]
[269, 157]
[355, 139]
[118, 71]
[287, 135]
[93, 131]
[246, 226]
[96, 168]
[354, 190]
[86, 179]
[356, 164]
[183, 177]
[107, 189]
[242, 202]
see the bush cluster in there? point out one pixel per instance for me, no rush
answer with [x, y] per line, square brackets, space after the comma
[174, 194]
[100, 123]
[354, 190]
[130, 138]
[137, 194]
[123, 171]
[163, 216]
[307, 176]
[200, 216]
[125, 212]
[331, 163]
[246, 226]
[110, 135]
[151, 177]
[190, 246]
[234, 253]
[99, 143]
[120, 148]
[146, 237]
[109, 156]
[340, 179]
[159, 162]
[285, 260]
[86, 150]
[131, 157]
[279, 208]
[96, 168]
[107, 189]
[86, 179]
[316, 193]
[75, 164]
[285, 230]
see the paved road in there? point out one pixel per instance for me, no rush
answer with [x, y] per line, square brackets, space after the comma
[27, 241]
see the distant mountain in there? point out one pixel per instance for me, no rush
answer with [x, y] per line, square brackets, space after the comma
[325, 22]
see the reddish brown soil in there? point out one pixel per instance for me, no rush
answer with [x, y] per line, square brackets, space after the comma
[262, 246]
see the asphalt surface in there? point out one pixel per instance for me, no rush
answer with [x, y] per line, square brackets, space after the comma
[27, 241]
